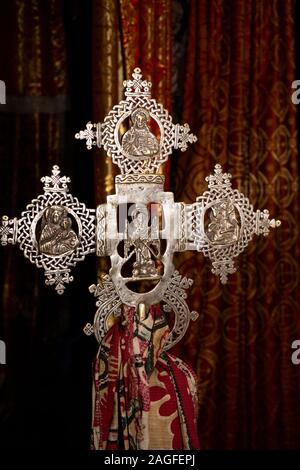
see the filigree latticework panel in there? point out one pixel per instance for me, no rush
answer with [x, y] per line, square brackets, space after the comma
[139, 227]
[108, 303]
[223, 223]
[55, 232]
[139, 149]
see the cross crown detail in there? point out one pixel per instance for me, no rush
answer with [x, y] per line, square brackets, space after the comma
[140, 149]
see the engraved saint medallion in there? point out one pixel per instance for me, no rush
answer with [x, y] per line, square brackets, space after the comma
[224, 227]
[139, 141]
[57, 236]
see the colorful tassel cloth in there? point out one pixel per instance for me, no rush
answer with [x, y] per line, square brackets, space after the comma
[143, 397]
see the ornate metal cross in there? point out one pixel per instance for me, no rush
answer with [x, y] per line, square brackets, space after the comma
[140, 227]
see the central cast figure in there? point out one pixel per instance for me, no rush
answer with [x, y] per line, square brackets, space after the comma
[139, 141]
[139, 237]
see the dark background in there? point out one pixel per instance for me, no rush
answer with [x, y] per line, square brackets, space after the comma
[45, 388]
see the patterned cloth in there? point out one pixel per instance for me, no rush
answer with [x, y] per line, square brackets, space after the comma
[143, 398]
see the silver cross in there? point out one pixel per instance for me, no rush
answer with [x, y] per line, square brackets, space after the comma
[140, 226]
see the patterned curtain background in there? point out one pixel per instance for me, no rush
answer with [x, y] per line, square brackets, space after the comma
[44, 61]
[240, 62]
[32, 140]
[146, 29]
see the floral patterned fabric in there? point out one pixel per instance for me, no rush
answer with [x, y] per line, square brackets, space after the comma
[138, 389]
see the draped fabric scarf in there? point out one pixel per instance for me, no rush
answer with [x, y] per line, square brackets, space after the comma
[139, 389]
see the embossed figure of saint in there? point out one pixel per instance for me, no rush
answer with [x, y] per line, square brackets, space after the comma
[139, 141]
[224, 227]
[57, 236]
[139, 238]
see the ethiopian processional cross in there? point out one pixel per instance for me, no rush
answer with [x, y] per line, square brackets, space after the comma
[140, 227]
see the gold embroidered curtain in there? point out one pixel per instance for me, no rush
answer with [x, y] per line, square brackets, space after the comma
[240, 63]
[237, 78]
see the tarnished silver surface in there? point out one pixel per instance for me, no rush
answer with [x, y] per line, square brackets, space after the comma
[139, 227]
[174, 301]
[108, 303]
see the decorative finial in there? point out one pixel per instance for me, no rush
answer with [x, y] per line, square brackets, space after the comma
[56, 183]
[137, 86]
[219, 179]
[8, 231]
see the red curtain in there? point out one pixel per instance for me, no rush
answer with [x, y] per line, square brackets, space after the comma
[240, 63]
[128, 34]
[146, 29]
[147, 42]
